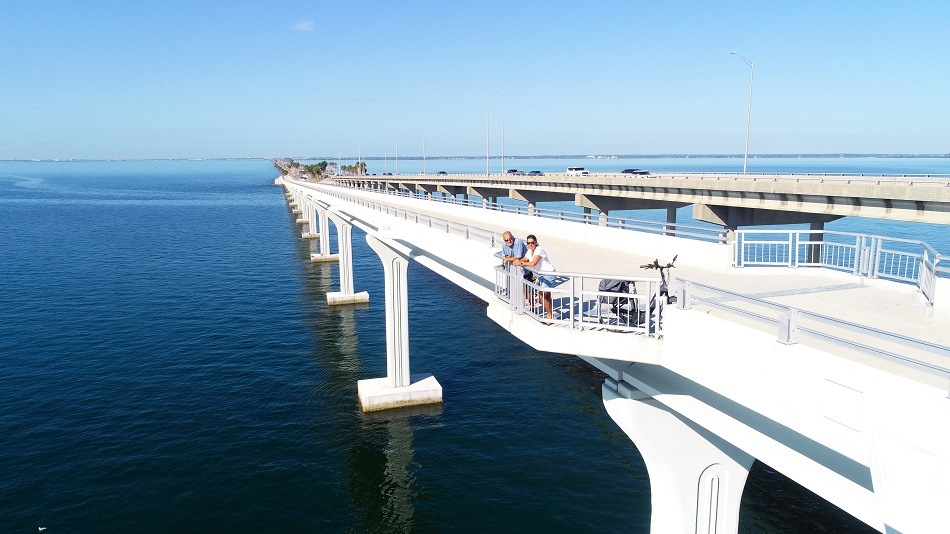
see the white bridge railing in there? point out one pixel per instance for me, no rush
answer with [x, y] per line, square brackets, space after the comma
[576, 302]
[793, 324]
[701, 233]
[890, 258]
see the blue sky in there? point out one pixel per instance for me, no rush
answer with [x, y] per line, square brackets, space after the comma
[99, 79]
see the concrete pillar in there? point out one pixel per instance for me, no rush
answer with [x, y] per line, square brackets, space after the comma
[670, 222]
[602, 218]
[323, 237]
[696, 478]
[346, 295]
[814, 251]
[531, 209]
[398, 388]
[308, 217]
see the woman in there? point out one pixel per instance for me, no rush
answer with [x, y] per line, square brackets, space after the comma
[537, 258]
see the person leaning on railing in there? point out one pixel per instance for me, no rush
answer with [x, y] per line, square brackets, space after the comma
[514, 249]
[537, 258]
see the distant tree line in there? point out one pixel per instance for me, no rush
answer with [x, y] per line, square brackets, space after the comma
[317, 169]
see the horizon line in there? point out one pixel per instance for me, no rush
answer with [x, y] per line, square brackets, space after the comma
[538, 156]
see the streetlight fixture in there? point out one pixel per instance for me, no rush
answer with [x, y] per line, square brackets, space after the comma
[748, 120]
[488, 134]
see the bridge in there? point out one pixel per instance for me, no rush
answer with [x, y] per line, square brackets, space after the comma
[823, 355]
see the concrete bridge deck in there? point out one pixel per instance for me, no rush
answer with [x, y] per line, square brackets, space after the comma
[720, 198]
[875, 304]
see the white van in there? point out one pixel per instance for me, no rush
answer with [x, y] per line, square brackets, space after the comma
[577, 171]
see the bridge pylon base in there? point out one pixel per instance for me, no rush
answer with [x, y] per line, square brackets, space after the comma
[324, 258]
[696, 478]
[337, 298]
[376, 394]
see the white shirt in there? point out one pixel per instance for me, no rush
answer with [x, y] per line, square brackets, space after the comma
[543, 264]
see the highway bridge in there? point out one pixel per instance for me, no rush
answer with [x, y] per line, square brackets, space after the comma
[824, 356]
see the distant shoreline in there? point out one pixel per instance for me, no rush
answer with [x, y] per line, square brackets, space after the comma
[543, 156]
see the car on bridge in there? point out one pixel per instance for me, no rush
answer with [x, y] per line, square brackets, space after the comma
[442, 172]
[577, 171]
[514, 172]
[535, 173]
[634, 171]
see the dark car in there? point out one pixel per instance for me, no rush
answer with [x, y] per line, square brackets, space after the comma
[387, 174]
[442, 172]
[634, 171]
[535, 173]
[514, 172]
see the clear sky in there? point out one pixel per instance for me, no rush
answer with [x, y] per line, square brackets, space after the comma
[202, 78]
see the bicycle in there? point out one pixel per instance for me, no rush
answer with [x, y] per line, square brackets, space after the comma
[664, 288]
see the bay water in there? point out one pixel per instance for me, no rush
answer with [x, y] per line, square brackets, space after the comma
[168, 362]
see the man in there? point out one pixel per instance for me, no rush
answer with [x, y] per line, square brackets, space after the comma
[514, 249]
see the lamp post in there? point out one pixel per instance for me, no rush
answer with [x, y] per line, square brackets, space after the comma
[502, 143]
[423, 156]
[488, 135]
[748, 120]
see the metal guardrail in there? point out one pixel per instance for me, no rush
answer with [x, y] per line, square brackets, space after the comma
[701, 233]
[787, 321]
[888, 258]
[912, 180]
[574, 301]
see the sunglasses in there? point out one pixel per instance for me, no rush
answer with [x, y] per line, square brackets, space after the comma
[510, 240]
[532, 242]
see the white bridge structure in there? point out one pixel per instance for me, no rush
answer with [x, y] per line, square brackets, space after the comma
[823, 354]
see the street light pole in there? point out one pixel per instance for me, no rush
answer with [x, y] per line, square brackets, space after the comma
[423, 156]
[748, 120]
[488, 135]
[502, 144]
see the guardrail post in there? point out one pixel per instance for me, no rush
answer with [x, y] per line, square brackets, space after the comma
[683, 295]
[516, 283]
[788, 327]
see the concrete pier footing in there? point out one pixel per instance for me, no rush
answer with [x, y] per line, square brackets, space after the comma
[338, 297]
[375, 393]
[324, 258]
[309, 235]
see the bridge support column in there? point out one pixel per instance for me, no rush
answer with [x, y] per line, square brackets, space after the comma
[346, 295]
[310, 214]
[398, 388]
[817, 234]
[670, 229]
[602, 218]
[323, 246]
[696, 478]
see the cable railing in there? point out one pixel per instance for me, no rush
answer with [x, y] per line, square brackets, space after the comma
[788, 322]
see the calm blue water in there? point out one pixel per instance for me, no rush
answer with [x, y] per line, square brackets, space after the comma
[169, 363]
